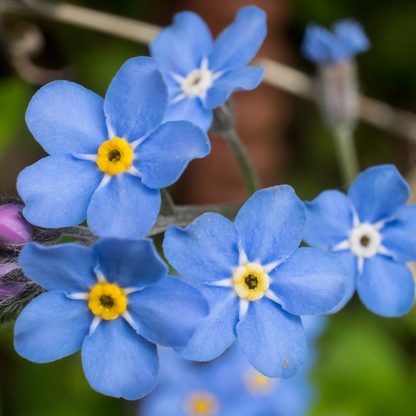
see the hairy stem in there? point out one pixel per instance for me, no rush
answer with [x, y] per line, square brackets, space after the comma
[239, 150]
[346, 154]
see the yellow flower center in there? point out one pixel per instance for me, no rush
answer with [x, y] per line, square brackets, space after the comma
[202, 403]
[250, 281]
[115, 156]
[258, 384]
[107, 300]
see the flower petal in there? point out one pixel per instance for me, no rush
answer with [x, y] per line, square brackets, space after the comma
[165, 154]
[180, 47]
[204, 251]
[321, 46]
[129, 263]
[350, 262]
[309, 282]
[399, 237]
[246, 78]
[190, 109]
[124, 208]
[329, 219]
[64, 118]
[167, 313]
[385, 287]
[68, 267]
[57, 190]
[51, 327]
[272, 340]
[352, 34]
[240, 41]
[271, 224]
[216, 332]
[378, 192]
[136, 99]
[118, 362]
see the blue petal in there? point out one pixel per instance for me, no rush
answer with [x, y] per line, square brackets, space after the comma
[378, 192]
[246, 78]
[165, 154]
[124, 208]
[309, 282]
[399, 236]
[271, 224]
[167, 313]
[67, 118]
[118, 362]
[239, 42]
[329, 219]
[352, 35]
[217, 331]
[350, 262]
[68, 267]
[129, 263]
[136, 99]
[57, 190]
[321, 46]
[272, 340]
[190, 109]
[385, 287]
[166, 402]
[204, 251]
[180, 47]
[51, 327]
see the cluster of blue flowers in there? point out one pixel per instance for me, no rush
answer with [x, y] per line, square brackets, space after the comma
[246, 280]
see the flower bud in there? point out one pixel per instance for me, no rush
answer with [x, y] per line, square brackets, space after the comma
[14, 229]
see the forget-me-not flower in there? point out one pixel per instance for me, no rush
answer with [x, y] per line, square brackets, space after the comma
[115, 302]
[226, 386]
[324, 47]
[202, 74]
[373, 232]
[256, 280]
[109, 158]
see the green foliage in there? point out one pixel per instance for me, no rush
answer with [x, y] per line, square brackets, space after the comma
[14, 96]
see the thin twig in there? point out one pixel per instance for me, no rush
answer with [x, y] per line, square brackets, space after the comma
[373, 112]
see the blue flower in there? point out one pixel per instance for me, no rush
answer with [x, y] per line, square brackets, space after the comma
[108, 158]
[115, 302]
[256, 281]
[346, 40]
[202, 74]
[373, 232]
[227, 386]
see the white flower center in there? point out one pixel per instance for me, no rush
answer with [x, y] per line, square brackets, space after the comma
[197, 82]
[365, 240]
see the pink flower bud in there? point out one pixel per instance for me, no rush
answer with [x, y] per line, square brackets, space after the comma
[14, 229]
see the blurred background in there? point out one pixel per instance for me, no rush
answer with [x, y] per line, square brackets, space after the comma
[366, 364]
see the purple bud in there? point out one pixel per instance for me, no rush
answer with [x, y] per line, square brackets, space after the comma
[8, 289]
[14, 229]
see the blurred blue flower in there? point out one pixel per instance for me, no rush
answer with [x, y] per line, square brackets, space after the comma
[108, 158]
[227, 386]
[373, 232]
[256, 281]
[323, 47]
[202, 74]
[115, 302]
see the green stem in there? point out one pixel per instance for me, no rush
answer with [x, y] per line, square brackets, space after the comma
[185, 214]
[346, 153]
[239, 150]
